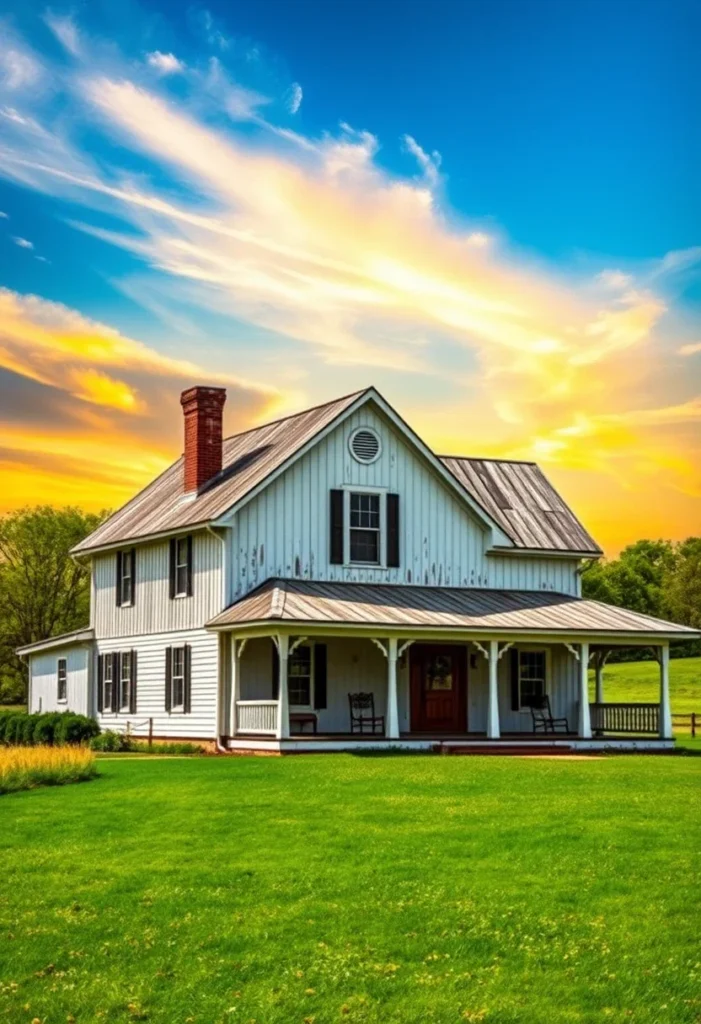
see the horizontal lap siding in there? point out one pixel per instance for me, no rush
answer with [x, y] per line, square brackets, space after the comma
[43, 682]
[150, 686]
[153, 610]
[284, 532]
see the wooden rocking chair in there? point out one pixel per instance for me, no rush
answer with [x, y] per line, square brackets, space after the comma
[360, 721]
[542, 716]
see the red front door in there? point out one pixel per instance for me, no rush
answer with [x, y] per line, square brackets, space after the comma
[438, 688]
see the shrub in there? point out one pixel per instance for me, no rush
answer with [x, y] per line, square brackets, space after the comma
[53, 728]
[116, 742]
[110, 742]
[23, 768]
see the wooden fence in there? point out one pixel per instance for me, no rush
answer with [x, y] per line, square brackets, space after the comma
[690, 722]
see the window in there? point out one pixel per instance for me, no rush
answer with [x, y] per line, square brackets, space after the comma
[61, 679]
[365, 528]
[299, 677]
[126, 678]
[531, 678]
[107, 681]
[181, 566]
[178, 679]
[126, 571]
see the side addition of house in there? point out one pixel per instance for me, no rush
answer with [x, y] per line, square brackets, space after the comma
[327, 581]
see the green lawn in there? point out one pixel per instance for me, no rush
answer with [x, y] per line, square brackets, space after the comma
[640, 681]
[340, 888]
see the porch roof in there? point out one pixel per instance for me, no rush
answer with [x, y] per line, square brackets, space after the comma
[425, 608]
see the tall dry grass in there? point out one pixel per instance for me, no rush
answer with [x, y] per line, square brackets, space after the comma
[26, 767]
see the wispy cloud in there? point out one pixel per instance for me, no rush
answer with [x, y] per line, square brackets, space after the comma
[3, 215]
[338, 261]
[165, 63]
[294, 98]
[23, 243]
[65, 30]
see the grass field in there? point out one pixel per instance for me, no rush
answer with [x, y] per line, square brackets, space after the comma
[375, 889]
[640, 681]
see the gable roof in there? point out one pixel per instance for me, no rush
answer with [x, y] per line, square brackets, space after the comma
[247, 459]
[311, 602]
[250, 459]
[524, 503]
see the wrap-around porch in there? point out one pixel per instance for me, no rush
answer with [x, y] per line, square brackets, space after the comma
[312, 665]
[303, 690]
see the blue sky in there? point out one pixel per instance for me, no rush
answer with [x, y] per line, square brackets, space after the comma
[489, 209]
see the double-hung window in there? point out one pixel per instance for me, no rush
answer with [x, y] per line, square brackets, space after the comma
[531, 678]
[178, 679]
[61, 680]
[126, 672]
[365, 528]
[181, 567]
[299, 677]
[126, 571]
[108, 682]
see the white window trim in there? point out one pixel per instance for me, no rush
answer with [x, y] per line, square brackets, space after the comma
[524, 709]
[107, 657]
[312, 682]
[127, 560]
[179, 594]
[382, 492]
[177, 708]
[122, 706]
[61, 700]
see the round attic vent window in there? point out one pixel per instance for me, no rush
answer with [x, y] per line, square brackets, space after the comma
[364, 444]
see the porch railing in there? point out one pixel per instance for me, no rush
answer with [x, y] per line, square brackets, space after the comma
[256, 716]
[631, 718]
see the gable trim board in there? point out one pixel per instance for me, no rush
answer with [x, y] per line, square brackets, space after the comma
[254, 459]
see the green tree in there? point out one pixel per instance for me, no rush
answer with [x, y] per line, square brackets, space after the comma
[43, 590]
[682, 598]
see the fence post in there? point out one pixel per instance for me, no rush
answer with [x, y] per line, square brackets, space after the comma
[150, 733]
[693, 724]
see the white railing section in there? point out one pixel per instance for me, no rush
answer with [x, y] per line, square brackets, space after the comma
[257, 715]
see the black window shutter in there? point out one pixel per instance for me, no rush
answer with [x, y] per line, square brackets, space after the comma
[393, 531]
[132, 556]
[132, 702]
[276, 671]
[189, 565]
[116, 682]
[187, 658]
[100, 685]
[336, 527]
[171, 566]
[169, 678]
[118, 582]
[320, 676]
[515, 702]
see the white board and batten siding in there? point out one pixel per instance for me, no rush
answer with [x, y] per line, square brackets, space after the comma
[153, 610]
[201, 722]
[43, 680]
[284, 530]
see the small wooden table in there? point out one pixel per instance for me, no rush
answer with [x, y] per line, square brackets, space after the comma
[303, 718]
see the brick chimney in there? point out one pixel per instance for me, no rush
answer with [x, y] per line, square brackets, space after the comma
[202, 410]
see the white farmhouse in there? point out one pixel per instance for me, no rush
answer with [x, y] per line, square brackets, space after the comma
[327, 582]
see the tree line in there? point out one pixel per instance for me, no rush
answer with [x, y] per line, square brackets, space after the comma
[45, 592]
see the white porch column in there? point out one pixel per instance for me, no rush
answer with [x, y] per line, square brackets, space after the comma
[282, 732]
[392, 730]
[584, 719]
[235, 686]
[665, 706]
[493, 730]
[599, 666]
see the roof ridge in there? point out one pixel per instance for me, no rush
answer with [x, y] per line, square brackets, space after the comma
[302, 412]
[486, 458]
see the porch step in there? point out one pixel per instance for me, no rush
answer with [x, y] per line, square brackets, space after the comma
[510, 749]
